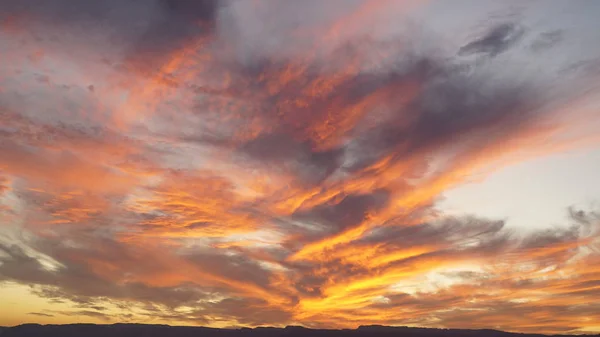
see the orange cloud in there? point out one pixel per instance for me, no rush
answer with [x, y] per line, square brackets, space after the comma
[200, 180]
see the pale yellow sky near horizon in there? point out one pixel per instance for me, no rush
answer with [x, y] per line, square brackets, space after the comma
[281, 166]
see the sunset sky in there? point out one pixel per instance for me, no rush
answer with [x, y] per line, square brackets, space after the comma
[326, 163]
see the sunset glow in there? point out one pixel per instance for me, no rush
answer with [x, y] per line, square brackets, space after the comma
[273, 162]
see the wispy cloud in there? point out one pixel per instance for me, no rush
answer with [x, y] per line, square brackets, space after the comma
[208, 162]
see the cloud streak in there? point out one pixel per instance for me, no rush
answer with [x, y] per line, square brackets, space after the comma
[203, 162]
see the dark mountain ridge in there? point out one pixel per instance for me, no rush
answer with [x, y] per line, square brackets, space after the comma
[149, 330]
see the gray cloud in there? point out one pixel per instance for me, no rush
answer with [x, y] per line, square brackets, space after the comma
[349, 212]
[41, 314]
[167, 20]
[496, 41]
[88, 313]
[547, 40]
[127, 222]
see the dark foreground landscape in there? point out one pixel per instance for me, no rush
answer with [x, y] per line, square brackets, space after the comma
[143, 330]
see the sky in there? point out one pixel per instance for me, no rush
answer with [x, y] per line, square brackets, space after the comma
[329, 164]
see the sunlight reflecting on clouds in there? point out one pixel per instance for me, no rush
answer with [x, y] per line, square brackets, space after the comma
[190, 163]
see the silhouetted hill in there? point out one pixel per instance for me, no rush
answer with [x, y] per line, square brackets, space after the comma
[143, 330]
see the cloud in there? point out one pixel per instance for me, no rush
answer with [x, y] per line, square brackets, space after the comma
[497, 40]
[41, 314]
[203, 161]
[547, 40]
[88, 313]
[3, 185]
[168, 21]
[349, 212]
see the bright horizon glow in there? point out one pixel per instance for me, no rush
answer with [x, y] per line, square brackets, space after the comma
[325, 164]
